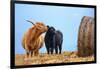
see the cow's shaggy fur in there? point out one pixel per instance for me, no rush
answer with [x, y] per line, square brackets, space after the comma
[33, 40]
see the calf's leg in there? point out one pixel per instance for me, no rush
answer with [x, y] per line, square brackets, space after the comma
[56, 49]
[52, 50]
[47, 48]
[60, 48]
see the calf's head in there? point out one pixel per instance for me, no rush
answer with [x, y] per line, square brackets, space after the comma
[51, 29]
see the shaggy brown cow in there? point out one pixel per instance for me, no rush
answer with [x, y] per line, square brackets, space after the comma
[33, 39]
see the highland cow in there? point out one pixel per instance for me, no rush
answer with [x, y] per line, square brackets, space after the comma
[33, 40]
[53, 40]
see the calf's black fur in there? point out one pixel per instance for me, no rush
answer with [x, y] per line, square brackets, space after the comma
[53, 40]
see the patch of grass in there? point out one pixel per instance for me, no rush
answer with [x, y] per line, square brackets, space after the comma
[44, 58]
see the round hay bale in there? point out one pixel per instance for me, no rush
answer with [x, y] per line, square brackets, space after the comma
[86, 37]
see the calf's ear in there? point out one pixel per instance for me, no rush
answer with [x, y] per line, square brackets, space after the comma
[48, 26]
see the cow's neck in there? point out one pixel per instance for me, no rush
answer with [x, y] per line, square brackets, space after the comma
[36, 35]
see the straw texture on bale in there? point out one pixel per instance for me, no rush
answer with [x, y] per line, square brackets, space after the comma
[86, 37]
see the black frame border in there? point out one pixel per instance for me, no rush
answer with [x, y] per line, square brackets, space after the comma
[12, 33]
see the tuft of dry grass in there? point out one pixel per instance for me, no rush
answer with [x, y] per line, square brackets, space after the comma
[44, 58]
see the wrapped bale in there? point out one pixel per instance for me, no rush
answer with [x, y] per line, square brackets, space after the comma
[86, 37]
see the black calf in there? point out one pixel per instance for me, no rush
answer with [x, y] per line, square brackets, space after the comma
[53, 40]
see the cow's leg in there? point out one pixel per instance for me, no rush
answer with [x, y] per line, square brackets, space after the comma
[26, 56]
[60, 48]
[36, 52]
[31, 53]
[27, 52]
